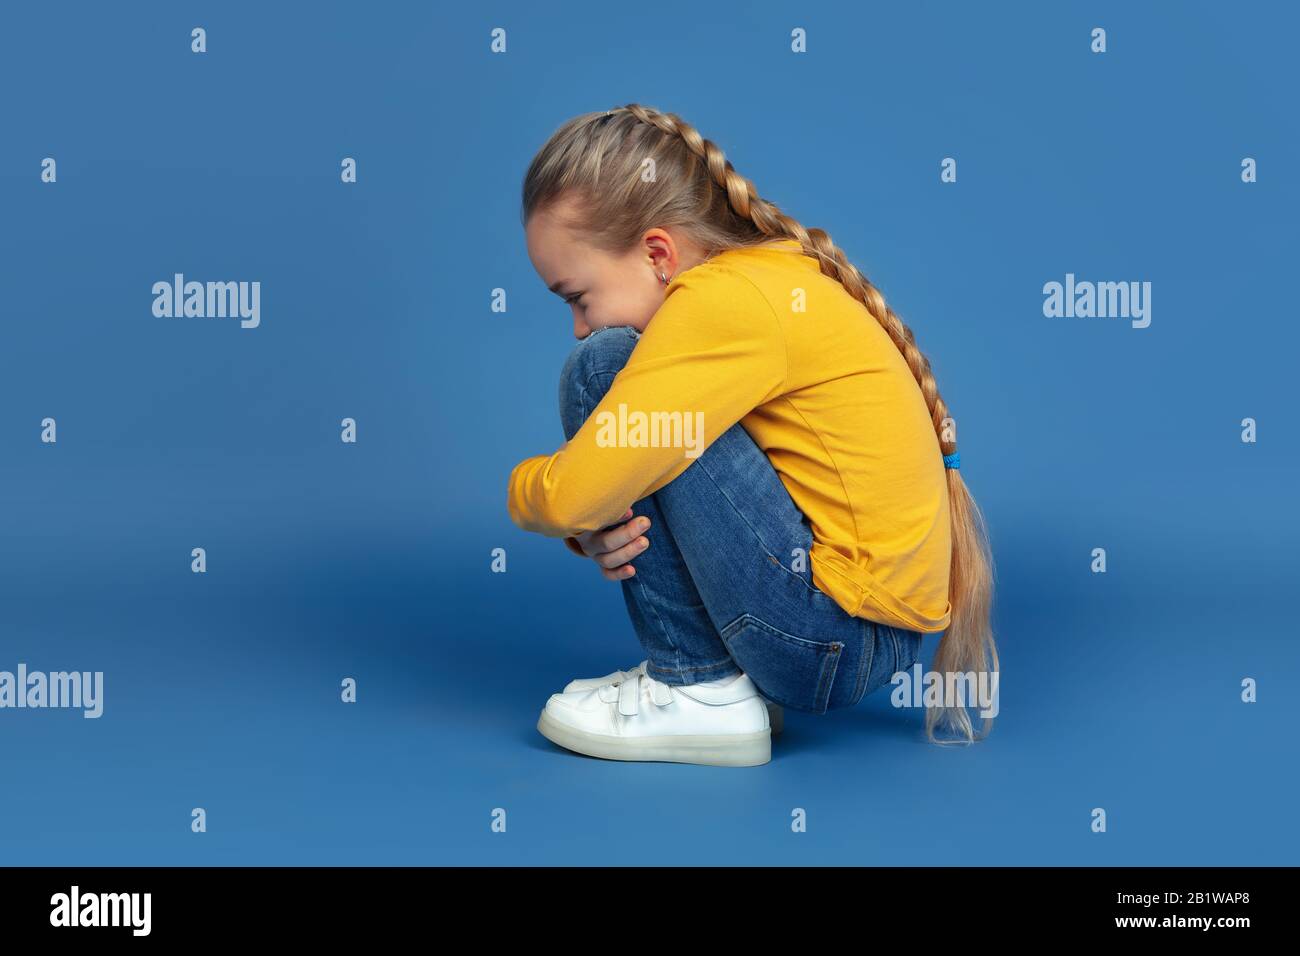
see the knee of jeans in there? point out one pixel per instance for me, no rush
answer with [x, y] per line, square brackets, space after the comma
[588, 371]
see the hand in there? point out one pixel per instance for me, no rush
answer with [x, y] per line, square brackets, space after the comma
[614, 547]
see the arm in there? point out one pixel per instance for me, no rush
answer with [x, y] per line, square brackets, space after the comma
[714, 348]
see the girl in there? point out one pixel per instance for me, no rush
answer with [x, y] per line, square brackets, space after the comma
[756, 449]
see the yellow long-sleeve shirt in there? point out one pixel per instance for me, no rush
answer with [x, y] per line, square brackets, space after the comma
[759, 336]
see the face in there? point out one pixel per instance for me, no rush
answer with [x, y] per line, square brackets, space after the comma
[602, 289]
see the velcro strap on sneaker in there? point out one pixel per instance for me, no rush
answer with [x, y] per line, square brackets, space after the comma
[629, 696]
[661, 693]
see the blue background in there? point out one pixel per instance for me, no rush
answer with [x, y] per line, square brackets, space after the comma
[372, 560]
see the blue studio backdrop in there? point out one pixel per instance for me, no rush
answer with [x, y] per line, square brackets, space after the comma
[126, 158]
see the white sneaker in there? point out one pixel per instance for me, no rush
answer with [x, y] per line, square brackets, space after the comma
[640, 718]
[775, 713]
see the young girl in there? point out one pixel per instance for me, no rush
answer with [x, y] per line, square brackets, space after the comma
[756, 449]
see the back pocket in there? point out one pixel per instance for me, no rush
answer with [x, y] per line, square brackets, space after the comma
[789, 670]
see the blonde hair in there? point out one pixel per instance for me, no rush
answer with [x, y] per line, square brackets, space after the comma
[601, 159]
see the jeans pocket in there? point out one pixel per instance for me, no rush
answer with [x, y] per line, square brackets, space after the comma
[789, 670]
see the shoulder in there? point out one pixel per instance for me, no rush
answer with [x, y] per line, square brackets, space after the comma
[718, 295]
[765, 270]
[727, 280]
[715, 311]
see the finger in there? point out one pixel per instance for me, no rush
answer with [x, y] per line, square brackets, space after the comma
[612, 537]
[615, 524]
[618, 574]
[623, 535]
[623, 555]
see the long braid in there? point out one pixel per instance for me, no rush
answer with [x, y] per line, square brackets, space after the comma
[772, 222]
[600, 157]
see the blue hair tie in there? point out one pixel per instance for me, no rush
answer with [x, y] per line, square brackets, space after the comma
[952, 461]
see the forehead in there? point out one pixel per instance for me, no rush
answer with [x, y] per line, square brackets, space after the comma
[556, 253]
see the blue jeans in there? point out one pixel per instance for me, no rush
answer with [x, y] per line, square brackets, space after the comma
[725, 585]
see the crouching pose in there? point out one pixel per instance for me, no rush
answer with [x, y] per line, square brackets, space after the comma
[757, 451]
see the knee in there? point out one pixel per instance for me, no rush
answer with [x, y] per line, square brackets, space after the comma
[589, 370]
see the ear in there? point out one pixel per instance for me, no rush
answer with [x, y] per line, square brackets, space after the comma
[661, 252]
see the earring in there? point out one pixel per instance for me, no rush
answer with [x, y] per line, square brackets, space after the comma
[663, 278]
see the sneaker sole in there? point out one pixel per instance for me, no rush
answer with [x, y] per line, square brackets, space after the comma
[715, 750]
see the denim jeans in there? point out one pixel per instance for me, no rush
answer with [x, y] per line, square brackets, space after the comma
[722, 589]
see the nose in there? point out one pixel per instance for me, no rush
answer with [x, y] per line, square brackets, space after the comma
[580, 328]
